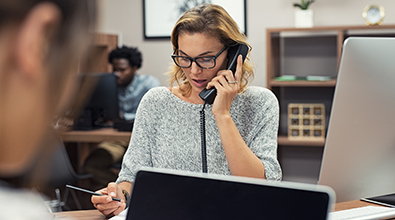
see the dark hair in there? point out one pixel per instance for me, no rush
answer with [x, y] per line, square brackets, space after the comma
[132, 54]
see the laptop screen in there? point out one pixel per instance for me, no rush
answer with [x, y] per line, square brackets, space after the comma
[165, 195]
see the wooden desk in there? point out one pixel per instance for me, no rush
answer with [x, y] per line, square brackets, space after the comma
[80, 215]
[96, 215]
[352, 205]
[95, 136]
[87, 141]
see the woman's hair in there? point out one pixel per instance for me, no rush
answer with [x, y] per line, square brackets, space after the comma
[212, 20]
[68, 45]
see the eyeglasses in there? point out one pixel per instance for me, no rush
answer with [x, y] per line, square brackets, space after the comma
[207, 62]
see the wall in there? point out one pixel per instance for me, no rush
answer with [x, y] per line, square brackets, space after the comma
[300, 164]
[125, 17]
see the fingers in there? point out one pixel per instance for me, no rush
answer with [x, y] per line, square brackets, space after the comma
[112, 208]
[105, 204]
[112, 189]
[119, 209]
[239, 68]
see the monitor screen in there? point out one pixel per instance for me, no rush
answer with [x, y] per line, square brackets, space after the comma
[359, 151]
[170, 194]
[101, 109]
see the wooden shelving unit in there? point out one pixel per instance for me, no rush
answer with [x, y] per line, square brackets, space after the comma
[309, 52]
[302, 83]
[102, 46]
[283, 140]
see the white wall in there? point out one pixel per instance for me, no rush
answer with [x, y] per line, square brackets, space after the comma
[125, 17]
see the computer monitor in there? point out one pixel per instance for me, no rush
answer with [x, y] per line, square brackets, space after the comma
[359, 154]
[170, 194]
[101, 109]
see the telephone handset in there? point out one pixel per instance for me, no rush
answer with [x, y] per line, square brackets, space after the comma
[208, 95]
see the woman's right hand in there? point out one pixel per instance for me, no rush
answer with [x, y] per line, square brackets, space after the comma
[105, 204]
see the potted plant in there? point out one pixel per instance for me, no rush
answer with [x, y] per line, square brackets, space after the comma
[304, 5]
[304, 16]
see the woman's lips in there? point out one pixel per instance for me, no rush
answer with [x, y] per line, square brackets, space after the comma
[200, 83]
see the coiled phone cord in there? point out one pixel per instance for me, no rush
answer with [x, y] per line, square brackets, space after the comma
[203, 138]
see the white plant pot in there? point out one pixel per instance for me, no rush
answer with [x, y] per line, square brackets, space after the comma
[304, 18]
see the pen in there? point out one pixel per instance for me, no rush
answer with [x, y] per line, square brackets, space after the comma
[91, 192]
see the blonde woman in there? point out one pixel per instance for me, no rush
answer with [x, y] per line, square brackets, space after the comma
[241, 124]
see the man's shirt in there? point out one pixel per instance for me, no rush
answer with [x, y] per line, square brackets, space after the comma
[130, 96]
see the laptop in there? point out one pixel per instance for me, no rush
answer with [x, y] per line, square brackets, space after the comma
[359, 154]
[169, 194]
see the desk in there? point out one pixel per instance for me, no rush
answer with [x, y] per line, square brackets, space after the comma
[95, 136]
[85, 138]
[80, 215]
[96, 215]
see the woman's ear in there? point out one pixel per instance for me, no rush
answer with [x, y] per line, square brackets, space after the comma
[33, 38]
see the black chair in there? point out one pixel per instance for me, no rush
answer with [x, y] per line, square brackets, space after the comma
[62, 173]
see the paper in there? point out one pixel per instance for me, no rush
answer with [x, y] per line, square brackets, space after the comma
[363, 213]
[121, 216]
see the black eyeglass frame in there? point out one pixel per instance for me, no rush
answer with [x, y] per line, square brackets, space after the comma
[194, 59]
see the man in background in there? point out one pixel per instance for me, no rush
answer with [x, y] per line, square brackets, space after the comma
[132, 87]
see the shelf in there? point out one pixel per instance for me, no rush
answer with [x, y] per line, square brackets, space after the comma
[333, 28]
[284, 140]
[309, 51]
[303, 83]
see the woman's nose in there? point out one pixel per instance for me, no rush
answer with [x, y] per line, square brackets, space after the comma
[195, 68]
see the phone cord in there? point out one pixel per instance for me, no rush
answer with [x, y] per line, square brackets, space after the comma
[203, 137]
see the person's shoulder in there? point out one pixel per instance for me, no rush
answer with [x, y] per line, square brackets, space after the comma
[158, 90]
[259, 93]
[157, 93]
[14, 200]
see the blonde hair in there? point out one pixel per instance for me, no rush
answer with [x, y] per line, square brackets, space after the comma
[215, 21]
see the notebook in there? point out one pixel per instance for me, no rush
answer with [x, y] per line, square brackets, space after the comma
[386, 200]
[168, 194]
[359, 153]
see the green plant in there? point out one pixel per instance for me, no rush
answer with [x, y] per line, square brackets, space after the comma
[304, 5]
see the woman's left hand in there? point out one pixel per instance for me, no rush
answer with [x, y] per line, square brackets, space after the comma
[228, 86]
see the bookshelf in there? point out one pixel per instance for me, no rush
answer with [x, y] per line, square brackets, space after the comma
[303, 52]
[299, 53]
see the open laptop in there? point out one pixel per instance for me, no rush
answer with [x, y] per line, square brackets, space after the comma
[359, 154]
[161, 194]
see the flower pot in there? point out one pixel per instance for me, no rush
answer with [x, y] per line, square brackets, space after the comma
[304, 18]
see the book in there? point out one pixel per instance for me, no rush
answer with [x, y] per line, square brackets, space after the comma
[308, 78]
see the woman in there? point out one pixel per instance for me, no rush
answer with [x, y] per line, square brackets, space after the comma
[42, 44]
[241, 124]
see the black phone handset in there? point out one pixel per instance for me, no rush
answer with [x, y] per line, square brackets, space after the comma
[208, 95]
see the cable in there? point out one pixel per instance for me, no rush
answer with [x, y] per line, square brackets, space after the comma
[203, 138]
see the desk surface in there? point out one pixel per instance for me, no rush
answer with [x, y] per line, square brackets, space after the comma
[95, 136]
[96, 215]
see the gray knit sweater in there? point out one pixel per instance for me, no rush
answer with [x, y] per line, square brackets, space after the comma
[166, 133]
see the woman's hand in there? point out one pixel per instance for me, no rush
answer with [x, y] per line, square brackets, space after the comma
[228, 86]
[105, 204]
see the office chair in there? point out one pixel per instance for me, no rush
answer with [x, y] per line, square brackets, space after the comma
[62, 173]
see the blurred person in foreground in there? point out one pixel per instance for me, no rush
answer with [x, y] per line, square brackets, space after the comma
[42, 44]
